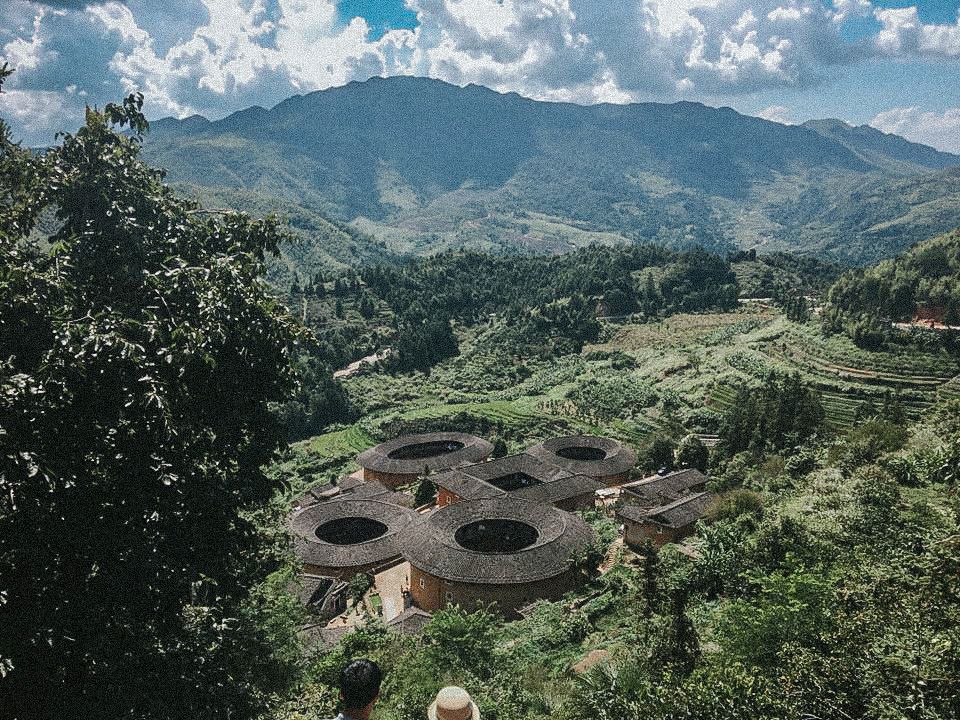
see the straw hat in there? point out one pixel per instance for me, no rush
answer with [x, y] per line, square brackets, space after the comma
[453, 703]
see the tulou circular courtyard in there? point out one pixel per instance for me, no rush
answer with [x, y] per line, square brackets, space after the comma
[501, 532]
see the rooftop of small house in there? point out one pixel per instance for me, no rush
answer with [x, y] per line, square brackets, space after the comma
[658, 489]
[677, 514]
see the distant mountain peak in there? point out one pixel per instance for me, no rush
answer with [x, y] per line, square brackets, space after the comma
[419, 158]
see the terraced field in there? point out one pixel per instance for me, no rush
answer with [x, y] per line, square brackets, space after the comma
[848, 376]
[339, 443]
[950, 390]
[694, 364]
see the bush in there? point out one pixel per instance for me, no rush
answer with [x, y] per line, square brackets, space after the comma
[692, 453]
[736, 504]
[657, 454]
[358, 586]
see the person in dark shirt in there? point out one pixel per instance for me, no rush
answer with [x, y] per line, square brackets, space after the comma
[359, 689]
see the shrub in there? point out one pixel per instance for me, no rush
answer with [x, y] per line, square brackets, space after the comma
[736, 504]
[692, 453]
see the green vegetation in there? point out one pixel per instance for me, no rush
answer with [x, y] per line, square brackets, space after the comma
[836, 496]
[522, 176]
[140, 352]
[923, 283]
[148, 371]
[782, 413]
[529, 306]
[837, 596]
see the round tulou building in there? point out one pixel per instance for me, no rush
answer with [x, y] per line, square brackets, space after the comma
[505, 551]
[345, 537]
[403, 459]
[601, 458]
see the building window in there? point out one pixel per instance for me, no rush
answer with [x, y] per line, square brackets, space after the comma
[422, 584]
[659, 531]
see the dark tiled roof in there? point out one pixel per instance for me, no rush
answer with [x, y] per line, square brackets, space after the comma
[313, 550]
[472, 449]
[616, 458]
[536, 469]
[677, 514]
[429, 544]
[548, 483]
[328, 491]
[351, 488]
[327, 637]
[312, 589]
[410, 622]
[465, 486]
[563, 488]
[379, 491]
[633, 513]
[661, 489]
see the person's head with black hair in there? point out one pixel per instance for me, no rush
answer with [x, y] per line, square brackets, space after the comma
[359, 688]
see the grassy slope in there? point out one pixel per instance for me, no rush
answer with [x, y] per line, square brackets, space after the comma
[692, 363]
[696, 360]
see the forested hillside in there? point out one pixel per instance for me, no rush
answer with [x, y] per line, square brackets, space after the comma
[542, 306]
[149, 369]
[427, 166]
[823, 582]
[923, 284]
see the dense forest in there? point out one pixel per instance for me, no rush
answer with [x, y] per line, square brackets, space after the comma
[923, 283]
[539, 305]
[141, 350]
[151, 374]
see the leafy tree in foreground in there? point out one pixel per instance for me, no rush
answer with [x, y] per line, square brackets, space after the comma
[139, 355]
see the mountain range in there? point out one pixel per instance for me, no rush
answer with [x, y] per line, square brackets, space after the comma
[421, 166]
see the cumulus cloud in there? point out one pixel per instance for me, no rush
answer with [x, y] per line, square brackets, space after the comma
[70, 4]
[777, 113]
[903, 33]
[582, 50]
[939, 130]
[27, 53]
[215, 56]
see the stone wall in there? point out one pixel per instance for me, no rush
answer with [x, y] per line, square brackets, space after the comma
[391, 480]
[435, 593]
[634, 533]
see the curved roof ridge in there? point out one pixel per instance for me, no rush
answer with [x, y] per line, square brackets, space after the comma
[430, 545]
[617, 459]
[472, 449]
[312, 549]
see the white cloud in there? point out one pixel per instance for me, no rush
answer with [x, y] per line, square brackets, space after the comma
[904, 33]
[236, 53]
[25, 54]
[939, 130]
[37, 108]
[245, 54]
[777, 113]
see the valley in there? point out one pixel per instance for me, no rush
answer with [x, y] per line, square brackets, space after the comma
[411, 161]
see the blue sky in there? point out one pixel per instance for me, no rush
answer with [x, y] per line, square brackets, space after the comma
[891, 63]
[380, 15]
